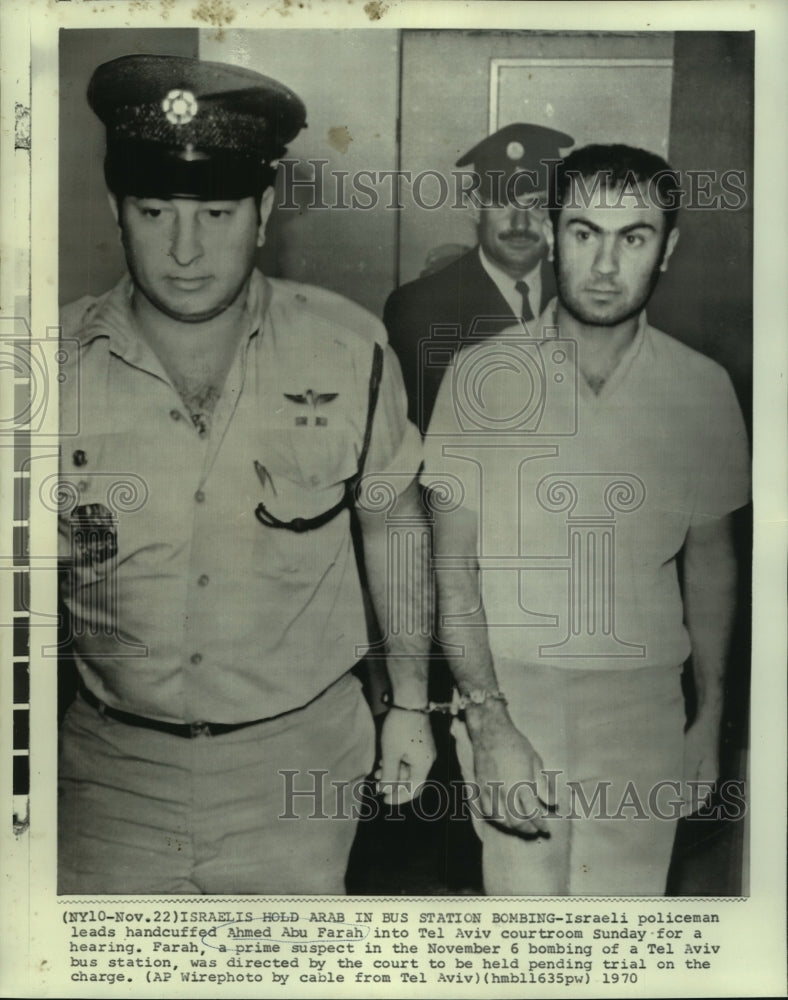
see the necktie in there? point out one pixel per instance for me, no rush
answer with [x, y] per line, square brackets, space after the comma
[522, 288]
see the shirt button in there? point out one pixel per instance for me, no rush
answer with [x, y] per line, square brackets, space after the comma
[203, 580]
[199, 496]
[79, 457]
[196, 658]
[175, 414]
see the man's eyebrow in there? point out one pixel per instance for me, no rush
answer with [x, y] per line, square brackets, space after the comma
[575, 220]
[638, 225]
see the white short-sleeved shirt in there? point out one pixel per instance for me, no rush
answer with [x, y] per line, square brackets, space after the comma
[584, 500]
[218, 617]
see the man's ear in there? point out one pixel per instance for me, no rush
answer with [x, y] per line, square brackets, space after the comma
[670, 246]
[549, 235]
[114, 206]
[266, 207]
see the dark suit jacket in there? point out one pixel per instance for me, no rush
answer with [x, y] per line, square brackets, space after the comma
[429, 318]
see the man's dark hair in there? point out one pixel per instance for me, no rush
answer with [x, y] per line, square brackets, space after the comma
[619, 166]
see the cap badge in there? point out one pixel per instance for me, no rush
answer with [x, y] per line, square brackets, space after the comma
[180, 106]
[515, 150]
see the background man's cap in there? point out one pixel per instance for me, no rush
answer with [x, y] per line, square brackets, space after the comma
[515, 149]
[181, 127]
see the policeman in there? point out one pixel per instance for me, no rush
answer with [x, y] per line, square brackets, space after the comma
[503, 279]
[213, 589]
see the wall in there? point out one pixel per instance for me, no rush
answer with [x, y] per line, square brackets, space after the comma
[706, 298]
[348, 80]
[445, 109]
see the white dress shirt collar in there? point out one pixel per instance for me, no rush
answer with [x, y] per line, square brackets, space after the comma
[506, 284]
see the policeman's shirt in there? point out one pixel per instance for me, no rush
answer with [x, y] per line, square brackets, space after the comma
[183, 605]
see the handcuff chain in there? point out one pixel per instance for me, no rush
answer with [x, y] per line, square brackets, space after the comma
[477, 696]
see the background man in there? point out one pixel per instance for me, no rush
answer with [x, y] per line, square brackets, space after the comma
[590, 459]
[502, 279]
[226, 415]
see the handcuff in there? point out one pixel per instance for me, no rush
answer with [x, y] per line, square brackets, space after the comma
[458, 703]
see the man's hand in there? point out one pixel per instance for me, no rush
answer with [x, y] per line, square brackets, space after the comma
[701, 764]
[407, 754]
[407, 746]
[513, 789]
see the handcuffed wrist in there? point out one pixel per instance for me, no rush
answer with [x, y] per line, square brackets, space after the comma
[389, 702]
[473, 698]
[476, 697]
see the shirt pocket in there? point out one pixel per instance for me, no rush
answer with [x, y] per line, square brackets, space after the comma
[304, 468]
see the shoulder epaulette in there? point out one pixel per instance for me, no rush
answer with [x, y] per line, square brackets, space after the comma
[335, 309]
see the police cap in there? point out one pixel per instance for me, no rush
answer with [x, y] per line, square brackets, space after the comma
[180, 127]
[520, 148]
